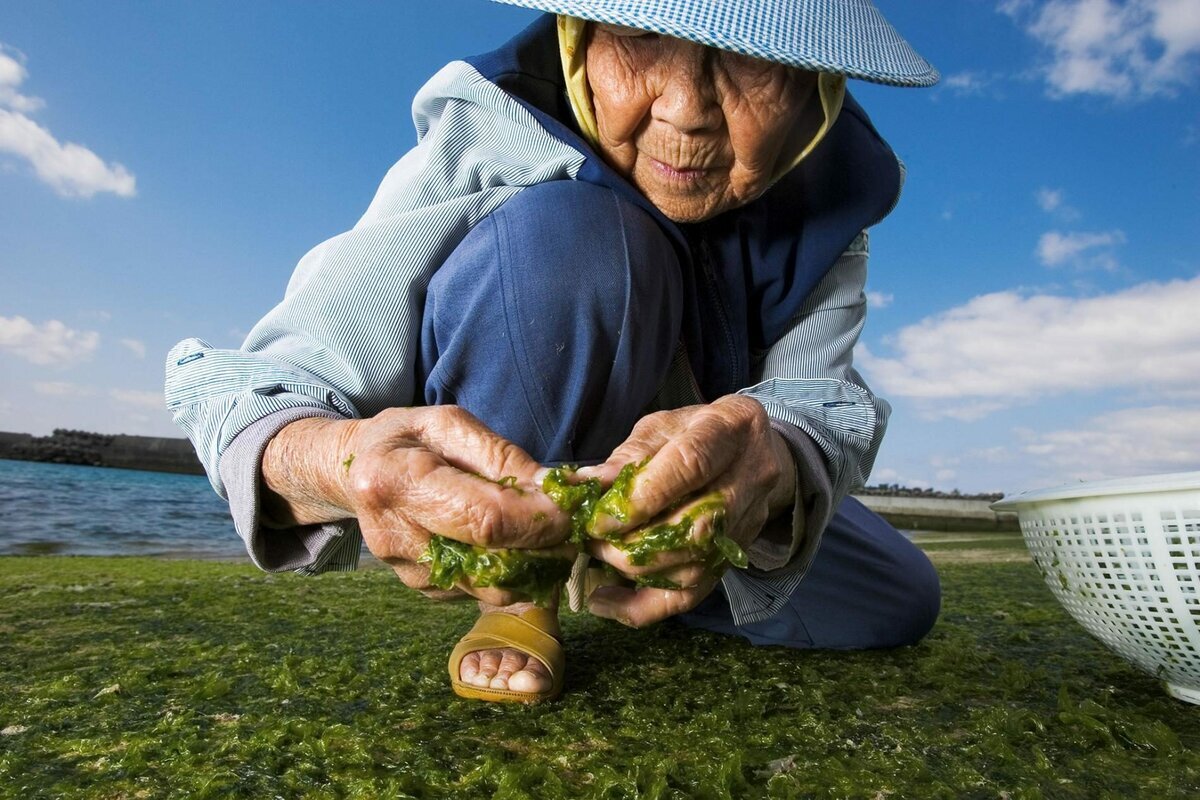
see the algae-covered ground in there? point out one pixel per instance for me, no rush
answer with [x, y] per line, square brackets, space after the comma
[142, 678]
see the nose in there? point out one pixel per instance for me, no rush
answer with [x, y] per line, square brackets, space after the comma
[688, 98]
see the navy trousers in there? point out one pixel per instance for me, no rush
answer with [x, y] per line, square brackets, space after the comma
[555, 321]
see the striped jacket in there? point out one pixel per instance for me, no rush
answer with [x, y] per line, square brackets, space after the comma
[788, 272]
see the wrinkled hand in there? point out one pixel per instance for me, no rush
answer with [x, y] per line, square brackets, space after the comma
[407, 474]
[724, 451]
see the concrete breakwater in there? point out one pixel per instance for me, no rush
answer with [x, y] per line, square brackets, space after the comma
[940, 513]
[151, 453]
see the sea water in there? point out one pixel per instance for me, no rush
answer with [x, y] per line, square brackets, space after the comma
[69, 510]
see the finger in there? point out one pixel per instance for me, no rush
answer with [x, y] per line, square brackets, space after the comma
[687, 463]
[685, 576]
[690, 460]
[680, 537]
[454, 476]
[441, 498]
[647, 437]
[392, 537]
[464, 442]
[493, 595]
[745, 491]
[640, 607]
[611, 554]
[416, 576]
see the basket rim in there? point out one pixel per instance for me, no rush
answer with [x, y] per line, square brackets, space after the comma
[1142, 484]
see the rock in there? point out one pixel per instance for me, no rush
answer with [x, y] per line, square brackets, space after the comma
[13, 730]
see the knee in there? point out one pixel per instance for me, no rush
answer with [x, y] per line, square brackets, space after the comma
[922, 590]
[563, 255]
[578, 250]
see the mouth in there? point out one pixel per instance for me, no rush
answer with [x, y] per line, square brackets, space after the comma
[673, 174]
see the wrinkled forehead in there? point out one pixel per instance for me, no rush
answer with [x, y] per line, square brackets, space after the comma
[661, 55]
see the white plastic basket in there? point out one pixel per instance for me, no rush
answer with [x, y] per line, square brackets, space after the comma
[1123, 557]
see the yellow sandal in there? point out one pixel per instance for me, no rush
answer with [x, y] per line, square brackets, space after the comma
[527, 633]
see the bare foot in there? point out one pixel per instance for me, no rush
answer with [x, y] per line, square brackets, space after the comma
[507, 668]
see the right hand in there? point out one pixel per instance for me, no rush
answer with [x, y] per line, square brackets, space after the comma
[409, 473]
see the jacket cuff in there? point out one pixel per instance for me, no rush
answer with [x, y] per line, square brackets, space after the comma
[307, 549]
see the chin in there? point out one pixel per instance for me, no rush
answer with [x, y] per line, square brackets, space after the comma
[685, 209]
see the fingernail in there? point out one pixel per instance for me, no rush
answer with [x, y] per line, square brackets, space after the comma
[603, 524]
[599, 608]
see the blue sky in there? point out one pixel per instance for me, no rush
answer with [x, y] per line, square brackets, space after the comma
[1035, 298]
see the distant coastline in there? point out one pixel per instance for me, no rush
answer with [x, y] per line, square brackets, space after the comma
[906, 508]
[150, 453]
[161, 454]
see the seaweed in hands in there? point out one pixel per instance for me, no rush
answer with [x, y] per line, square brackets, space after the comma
[538, 576]
[716, 548]
[578, 499]
[525, 571]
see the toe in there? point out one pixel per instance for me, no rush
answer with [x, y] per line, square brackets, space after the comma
[468, 668]
[525, 681]
[489, 664]
[510, 661]
[534, 678]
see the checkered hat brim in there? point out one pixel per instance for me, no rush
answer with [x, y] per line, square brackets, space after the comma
[847, 37]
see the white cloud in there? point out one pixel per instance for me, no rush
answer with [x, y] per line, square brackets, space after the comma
[965, 84]
[1049, 199]
[1003, 349]
[61, 389]
[879, 299]
[1054, 202]
[70, 169]
[139, 399]
[1115, 48]
[134, 346]
[12, 75]
[1056, 248]
[51, 343]
[1132, 441]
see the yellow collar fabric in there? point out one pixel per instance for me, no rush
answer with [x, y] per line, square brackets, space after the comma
[572, 49]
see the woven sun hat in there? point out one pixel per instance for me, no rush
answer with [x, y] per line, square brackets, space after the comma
[844, 37]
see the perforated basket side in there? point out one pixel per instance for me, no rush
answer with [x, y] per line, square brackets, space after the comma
[1127, 568]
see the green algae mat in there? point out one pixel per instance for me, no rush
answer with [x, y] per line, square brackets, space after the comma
[132, 678]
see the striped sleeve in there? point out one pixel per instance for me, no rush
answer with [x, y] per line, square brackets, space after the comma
[833, 425]
[343, 341]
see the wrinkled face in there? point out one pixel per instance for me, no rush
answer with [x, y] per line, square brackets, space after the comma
[698, 130]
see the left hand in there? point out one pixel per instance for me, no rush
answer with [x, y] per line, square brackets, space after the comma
[726, 447]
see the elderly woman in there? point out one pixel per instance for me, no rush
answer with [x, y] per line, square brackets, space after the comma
[633, 235]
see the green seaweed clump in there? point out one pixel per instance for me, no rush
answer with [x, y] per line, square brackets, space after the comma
[586, 500]
[577, 499]
[615, 502]
[718, 550]
[525, 571]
